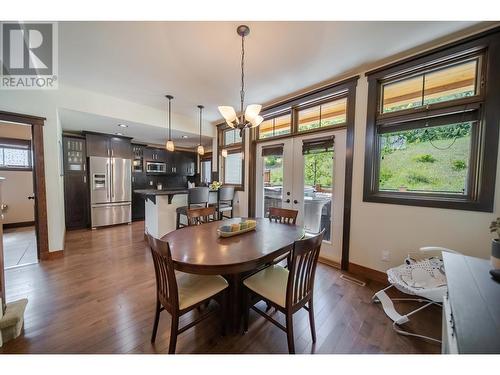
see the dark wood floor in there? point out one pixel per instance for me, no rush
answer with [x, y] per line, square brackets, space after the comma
[100, 298]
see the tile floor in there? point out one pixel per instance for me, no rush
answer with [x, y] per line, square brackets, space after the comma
[19, 246]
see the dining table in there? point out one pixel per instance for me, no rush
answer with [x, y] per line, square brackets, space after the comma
[199, 250]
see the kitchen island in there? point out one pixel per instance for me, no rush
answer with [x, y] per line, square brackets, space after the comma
[160, 208]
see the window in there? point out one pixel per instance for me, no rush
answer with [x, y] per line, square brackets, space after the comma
[206, 171]
[275, 126]
[15, 154]
[440, 85]
[327, 114]
[428, 142]
[233, 168]
[231, 136]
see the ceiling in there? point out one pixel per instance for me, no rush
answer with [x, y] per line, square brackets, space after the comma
[199, 62]
[75, 121]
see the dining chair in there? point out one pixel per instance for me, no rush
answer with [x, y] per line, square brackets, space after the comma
[288, 290]
[225, 198]
[198, 216]
[197, 198]
[179, 292]
[283, 215]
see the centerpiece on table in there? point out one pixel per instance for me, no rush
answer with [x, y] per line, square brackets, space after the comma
[234, 229]
[215, 185]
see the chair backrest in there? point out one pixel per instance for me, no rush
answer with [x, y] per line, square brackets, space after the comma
[226, 194]
[283, 215]
[302, 269]
[197, 216]
[166, 283]
[198, 195]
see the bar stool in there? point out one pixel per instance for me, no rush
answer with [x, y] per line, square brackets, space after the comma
[225, 197]
[197, 198]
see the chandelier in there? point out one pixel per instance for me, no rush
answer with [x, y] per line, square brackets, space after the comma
[250, 118]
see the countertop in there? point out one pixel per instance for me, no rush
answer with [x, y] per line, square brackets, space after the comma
[161, 192]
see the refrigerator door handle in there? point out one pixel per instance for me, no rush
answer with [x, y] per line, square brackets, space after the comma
[107, 180]
[112, 179]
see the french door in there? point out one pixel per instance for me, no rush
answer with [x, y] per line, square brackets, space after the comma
[306, 173]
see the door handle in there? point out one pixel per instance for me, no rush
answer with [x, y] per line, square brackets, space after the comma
[295, 201]
[31, 197]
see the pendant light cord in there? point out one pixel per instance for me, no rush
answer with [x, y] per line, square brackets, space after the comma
[169, 119]
[201, 109]
[242, 92]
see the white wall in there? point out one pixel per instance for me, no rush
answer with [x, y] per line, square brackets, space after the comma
[46, 103]
[18, 184]
[16, 188]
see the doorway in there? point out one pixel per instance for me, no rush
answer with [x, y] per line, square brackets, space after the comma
[306, 174]
[18, 208]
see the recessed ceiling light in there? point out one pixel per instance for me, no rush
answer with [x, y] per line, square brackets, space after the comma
[118, 133]
[184, 136]
[123, 126]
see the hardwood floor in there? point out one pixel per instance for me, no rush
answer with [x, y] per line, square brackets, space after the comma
[19, 246]
[100, 298]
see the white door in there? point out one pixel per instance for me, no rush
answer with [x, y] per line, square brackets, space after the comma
[309, 179]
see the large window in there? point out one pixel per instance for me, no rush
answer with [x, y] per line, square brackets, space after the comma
[432, 129]
[233, 168]
[15, 154]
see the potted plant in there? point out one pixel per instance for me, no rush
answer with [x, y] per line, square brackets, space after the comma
[215, 185]
[495, 244]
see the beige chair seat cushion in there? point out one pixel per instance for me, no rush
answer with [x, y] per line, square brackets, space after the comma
[195, 288]
[270, 283]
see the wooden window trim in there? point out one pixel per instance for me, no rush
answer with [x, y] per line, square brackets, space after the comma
[484, 141]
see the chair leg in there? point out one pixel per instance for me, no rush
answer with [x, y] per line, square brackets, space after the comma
[246, 309]
[173, 334]
[178, 221]
[223, 307]
[289, 333]
[311, 320]
[157, 319]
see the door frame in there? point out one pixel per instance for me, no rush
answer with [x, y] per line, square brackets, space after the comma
[350, 86]
[41, 227]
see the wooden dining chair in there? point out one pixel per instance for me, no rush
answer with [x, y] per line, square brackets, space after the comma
[288, 290]
[283, 215]
[179, 292]
[197, 216]
[197, 198]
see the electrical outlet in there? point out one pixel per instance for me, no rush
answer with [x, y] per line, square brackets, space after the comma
[386, 255]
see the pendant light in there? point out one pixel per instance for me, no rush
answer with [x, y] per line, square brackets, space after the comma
[170, 144]
[201, 150]
[250, 118]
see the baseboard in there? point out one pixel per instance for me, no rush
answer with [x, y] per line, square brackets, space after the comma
[368, 273]
[51, 255]
[329, 262]
[19, 225]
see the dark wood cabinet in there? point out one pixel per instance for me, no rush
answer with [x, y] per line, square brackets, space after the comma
[139, 181]
[105, 145]
[76, 187]
[182, 163]
[186, 163]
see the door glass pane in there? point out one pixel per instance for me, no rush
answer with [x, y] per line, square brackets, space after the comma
[318, 188]
[404, 94]
[273, 181]
[455, 82]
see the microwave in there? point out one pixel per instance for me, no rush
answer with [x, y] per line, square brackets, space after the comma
[156, 167]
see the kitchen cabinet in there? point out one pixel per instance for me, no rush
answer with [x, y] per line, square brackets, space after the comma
[76, 187]
[105, 146]
[181, 163]
[155, 154]
[139, 181]
[186, 163]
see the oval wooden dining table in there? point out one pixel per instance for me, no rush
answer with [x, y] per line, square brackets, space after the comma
[199, 249]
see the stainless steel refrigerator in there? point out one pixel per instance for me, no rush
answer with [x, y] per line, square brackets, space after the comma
[111, 191]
